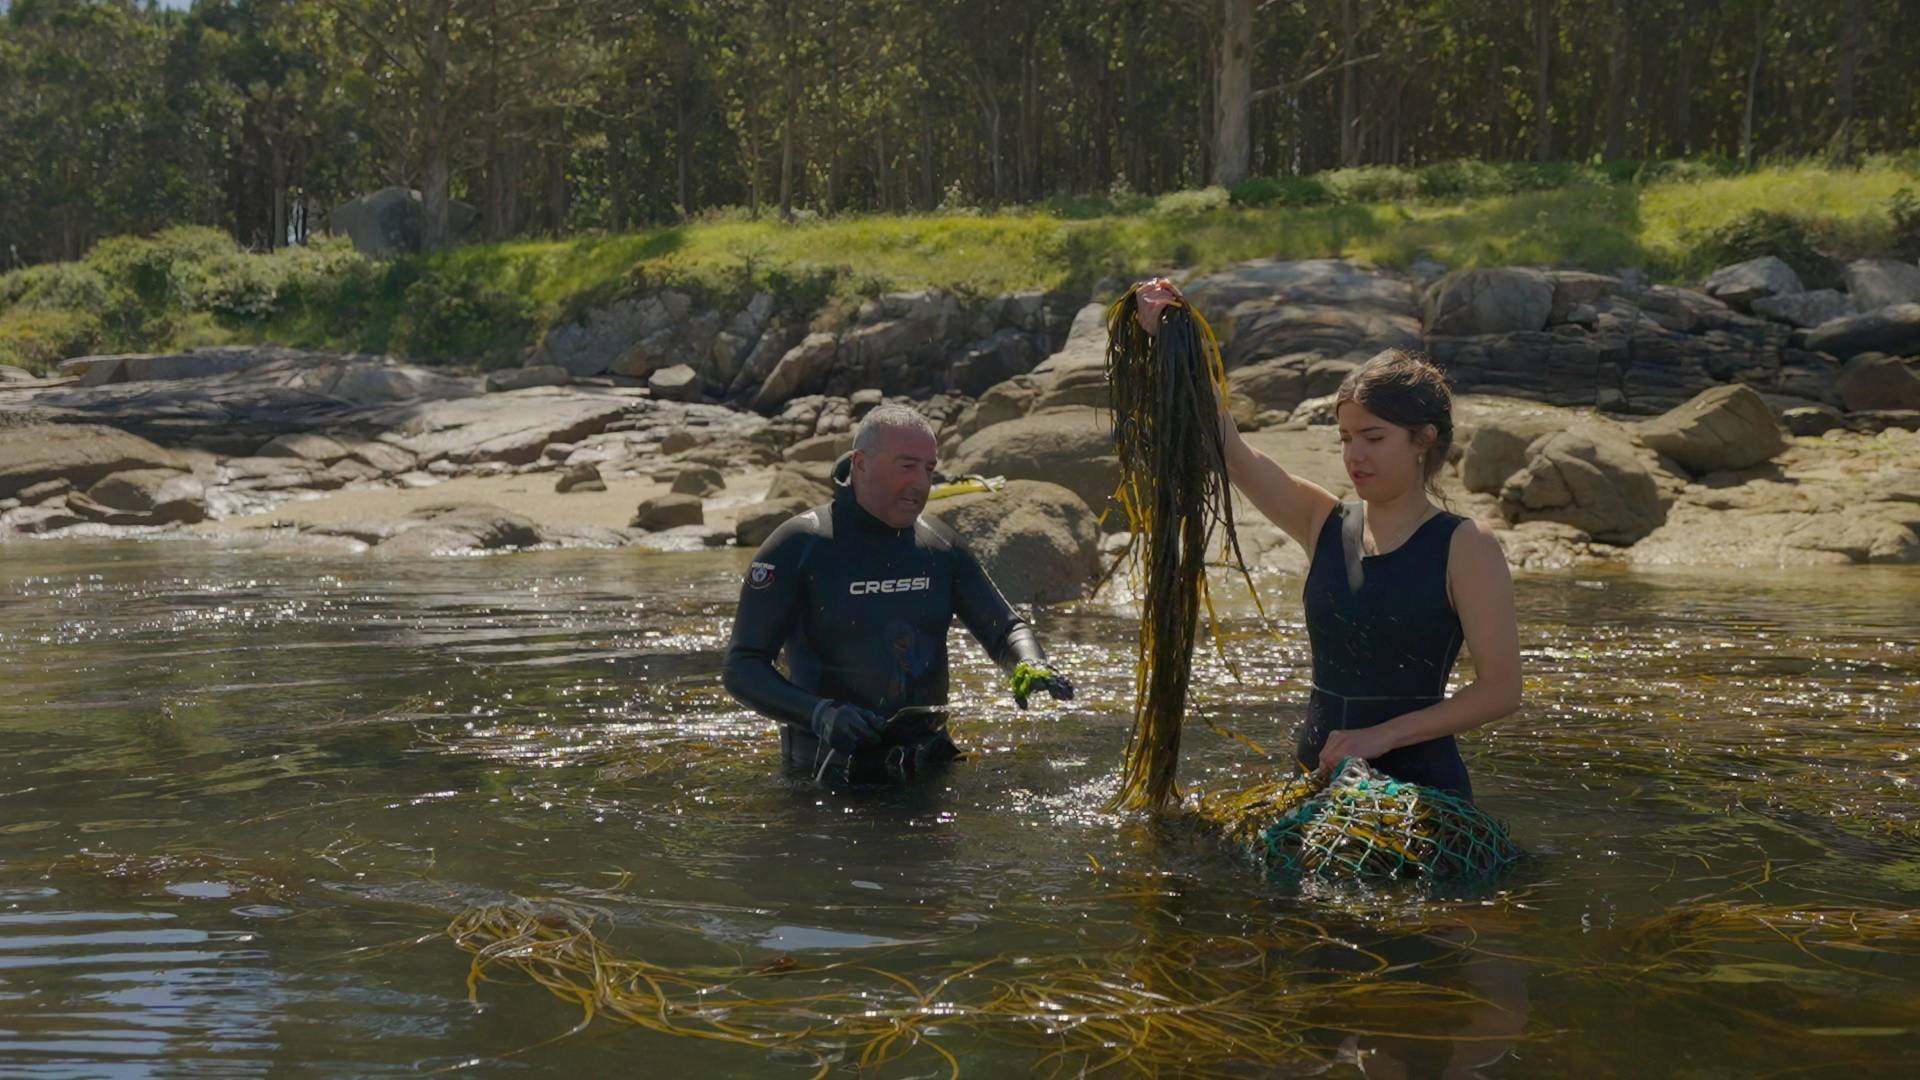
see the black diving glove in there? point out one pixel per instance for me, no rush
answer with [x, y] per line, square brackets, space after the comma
[1028, 677]
[846, 728]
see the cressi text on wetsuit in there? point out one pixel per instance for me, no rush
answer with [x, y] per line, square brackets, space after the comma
[861, 610]
[1383, 649]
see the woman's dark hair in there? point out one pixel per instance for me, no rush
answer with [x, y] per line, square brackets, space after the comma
[1405, 389]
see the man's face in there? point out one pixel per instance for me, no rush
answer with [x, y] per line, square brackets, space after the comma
[892, 480]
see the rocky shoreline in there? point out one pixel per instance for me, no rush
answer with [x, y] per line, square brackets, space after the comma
[1601, 419]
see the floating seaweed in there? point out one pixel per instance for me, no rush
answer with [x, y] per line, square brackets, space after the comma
[1173, 1002]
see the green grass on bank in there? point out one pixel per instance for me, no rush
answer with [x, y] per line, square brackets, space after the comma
[489, 303]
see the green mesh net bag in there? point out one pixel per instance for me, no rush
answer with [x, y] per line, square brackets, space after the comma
[1360, 825]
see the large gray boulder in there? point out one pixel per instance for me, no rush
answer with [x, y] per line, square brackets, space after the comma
[1894, 330]
[986, 363]
[803, 370]
[495, 427]
[1496, 448]
[1589, 480]
[677, 383]
[1280, 383]
[758, 522]
[1265, 308]
[1500, 300]
[667, 512]
[590, 345]
[1743, 283]
[1038, 541]
[1807, 309]
[1878, 283]
[526, 378]
[155, 496]
[452, 528]
[1069, 447]
[81, 454]
[1873, 381]
[1727, 427]
[699, 481]
[392, 221]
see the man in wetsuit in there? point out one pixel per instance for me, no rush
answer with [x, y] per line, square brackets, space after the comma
[860, 593]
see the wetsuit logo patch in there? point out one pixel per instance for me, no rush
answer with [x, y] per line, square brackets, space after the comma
[760, 576]
[897, 585]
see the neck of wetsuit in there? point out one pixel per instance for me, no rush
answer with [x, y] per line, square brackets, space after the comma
[858, 514]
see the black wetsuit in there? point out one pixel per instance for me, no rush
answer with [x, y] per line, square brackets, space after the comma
[862, 610]
[1385, 649]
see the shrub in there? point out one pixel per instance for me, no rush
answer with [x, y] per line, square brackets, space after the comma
[1198, 201]
[1903, 208]
[1373, 183]
[55, 287]
[1764, 232]
[37, 340]
[450, 318]
[1282, 191]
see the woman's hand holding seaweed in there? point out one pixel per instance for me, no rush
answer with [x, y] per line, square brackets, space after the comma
[1152, 300]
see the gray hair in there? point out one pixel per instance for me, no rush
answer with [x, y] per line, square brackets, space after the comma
[866, 437]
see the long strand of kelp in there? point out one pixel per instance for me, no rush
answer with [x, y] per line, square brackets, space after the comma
[1166, 390]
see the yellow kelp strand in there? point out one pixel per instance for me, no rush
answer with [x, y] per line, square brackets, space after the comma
[1167, 391]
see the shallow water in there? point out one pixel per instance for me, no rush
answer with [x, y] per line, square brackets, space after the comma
[242, 795]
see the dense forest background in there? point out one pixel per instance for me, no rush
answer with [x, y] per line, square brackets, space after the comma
[556, 117]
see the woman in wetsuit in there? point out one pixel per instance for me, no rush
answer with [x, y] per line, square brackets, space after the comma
[1395, 584]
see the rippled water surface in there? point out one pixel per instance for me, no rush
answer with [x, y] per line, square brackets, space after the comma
[242, 796]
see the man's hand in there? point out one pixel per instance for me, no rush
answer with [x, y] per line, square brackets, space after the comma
[1151, 303]
[1030, 677]
[1364, 743]
[847, 728]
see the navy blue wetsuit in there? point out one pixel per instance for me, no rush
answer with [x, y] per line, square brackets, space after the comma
[861, 610]
[1385, 649]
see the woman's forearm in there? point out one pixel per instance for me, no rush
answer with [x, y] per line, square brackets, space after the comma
[1479, 702]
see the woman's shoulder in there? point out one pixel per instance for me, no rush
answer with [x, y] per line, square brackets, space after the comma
[1472, 542]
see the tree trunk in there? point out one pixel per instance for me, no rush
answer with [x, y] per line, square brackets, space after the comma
[1542, 80]
[1349, 123]
[1233, 93]
[438, 175]
[1843, 149]
[277, 237]
[1618, 56]
[1753, 83]
[557, 190]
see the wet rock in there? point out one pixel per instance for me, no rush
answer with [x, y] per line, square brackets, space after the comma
[1496, 448]
[1807, 309]
[1574, 290]
[1872, 381]
[304, 445]
[1500, 300]
[45, 518]
[758, 522]
[699, 481]
[157, 496]
[1878, 283]
[451, 528]
[1038, 541]
[1070, 447]
[526, 378]
[1875, 421]
[45, 491]
[676, 383]
[1727, 427]
[1588, 480]
[1334, 308]
[1812, 419]
[668, 511]
[1743, 283]
[819, 448]
[802, 370]
[1280, 383]
[81, 454]
[1894, 330]
[863, 402]
[791, 484]
[683, 538]
[511, 429]
[682, 440]
[581, 477]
